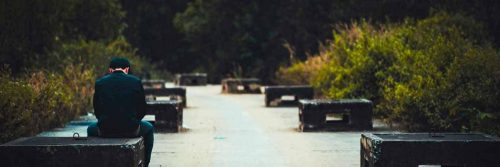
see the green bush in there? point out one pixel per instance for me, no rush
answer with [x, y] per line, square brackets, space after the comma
[432, 74]
[51, 105]
[301, 73]
[93, 55]
[438, 86]
[16, 101]
[358, 55]
[30, 105]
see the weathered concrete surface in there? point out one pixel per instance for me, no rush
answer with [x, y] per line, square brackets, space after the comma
[66, 151]
[77, 126]
[276, 93]
[168, 114]
[414, 149]
[238, 130]
[178, 93]
[157, 84]
[240, 85]
[356, 114]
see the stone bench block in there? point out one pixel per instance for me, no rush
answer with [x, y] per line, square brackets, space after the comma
[353, 114]
[157, 84]
[66, 151]
[177, 93]
[277, 93]
[437, 149]
[191, 79]
[168, 114]
[240, 85]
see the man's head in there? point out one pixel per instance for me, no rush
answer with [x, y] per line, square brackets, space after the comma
[119, 64]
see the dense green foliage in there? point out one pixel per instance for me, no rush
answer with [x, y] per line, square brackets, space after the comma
[16, 99]
[247, 38]
[32, 104]
[432, 74]
[150, 28]
[31, 28]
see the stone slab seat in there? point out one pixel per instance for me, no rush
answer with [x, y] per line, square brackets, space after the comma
[191, 79]
[444, 149]
[153, 83]
[298, 91]
[356, 114]
[168, 114]
[178, 93]
[240, 85]
[67, 151]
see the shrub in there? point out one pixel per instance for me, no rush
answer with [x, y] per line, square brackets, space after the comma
[300, 73]
[359, 54]
[474, 87]
[51, 105]
[93, 55]
[438, 86]
[433, 74]
[30, 105]
[80, 83]
[16, 101]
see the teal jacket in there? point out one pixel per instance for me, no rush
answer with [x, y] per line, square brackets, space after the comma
[119, 103]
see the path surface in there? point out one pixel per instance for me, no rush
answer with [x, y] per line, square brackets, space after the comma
[226, 130]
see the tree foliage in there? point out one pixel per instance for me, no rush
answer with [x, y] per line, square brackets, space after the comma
[32, 28]
[247, 38]
[429, 75]
[150, 29]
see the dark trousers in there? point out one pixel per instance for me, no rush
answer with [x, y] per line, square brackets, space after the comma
[146, 131]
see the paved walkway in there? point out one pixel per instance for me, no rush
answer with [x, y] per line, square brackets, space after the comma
[238, 130]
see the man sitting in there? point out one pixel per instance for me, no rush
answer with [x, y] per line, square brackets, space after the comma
[120, 105]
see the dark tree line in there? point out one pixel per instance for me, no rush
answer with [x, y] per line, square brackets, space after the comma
[30, 29]
[150, 28]
[220, 37]
[254, 37]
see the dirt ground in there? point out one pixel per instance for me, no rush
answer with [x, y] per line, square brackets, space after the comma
[226, 130]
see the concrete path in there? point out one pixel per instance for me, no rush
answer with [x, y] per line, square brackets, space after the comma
[226, 130]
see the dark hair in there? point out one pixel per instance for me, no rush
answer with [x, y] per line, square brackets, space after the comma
[119, 62]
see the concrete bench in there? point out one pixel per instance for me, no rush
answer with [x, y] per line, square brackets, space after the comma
[66, 151]
[287, 93]
[345, 114]
[191, 79]
[425, 149]
[157, 84]
[168, 114]
[240, 85]
[177, 93]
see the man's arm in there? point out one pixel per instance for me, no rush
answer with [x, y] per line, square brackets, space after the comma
[96, 102]
[142, 103]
